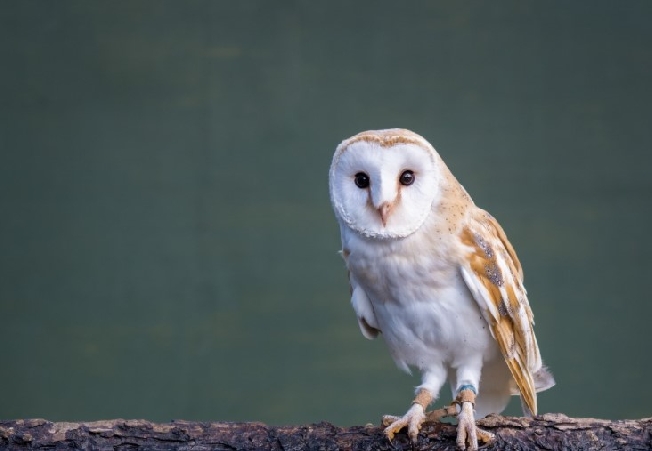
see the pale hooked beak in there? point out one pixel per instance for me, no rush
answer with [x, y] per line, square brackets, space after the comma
[385, 211]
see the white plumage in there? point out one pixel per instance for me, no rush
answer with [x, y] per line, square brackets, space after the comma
[436, 276]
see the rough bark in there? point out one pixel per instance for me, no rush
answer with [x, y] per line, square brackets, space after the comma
[551, 432]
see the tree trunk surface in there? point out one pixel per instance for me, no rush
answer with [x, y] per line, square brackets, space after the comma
[549, 432]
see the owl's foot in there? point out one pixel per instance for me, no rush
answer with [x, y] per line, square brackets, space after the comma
[467, 432]
[435, 416]
[413, 419]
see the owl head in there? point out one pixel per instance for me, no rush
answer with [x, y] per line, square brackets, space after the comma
[383, 182]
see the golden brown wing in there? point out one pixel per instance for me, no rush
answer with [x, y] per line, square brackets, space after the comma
[494, 276]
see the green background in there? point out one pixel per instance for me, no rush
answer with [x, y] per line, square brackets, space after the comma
[167, 247]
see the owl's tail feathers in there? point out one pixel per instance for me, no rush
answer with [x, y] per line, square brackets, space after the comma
[543, 380]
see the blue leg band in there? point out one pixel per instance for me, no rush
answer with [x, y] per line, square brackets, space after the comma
[467, 387]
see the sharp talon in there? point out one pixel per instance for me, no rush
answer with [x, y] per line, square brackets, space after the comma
[391, 431]
[484, 436]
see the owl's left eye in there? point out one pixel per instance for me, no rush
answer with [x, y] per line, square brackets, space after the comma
[407, 178]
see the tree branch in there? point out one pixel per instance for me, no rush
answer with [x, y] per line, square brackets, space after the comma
[551, 431]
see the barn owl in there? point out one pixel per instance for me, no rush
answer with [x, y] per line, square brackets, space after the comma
[435, 276]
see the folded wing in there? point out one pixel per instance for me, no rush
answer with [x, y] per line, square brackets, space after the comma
[494, 276]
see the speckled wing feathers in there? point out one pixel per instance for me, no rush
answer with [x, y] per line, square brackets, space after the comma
[495, 278]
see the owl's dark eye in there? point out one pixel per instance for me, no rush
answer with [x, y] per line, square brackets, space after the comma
[361, 180]
[407, 178]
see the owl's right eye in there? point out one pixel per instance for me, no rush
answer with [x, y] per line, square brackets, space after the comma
[361, 180]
